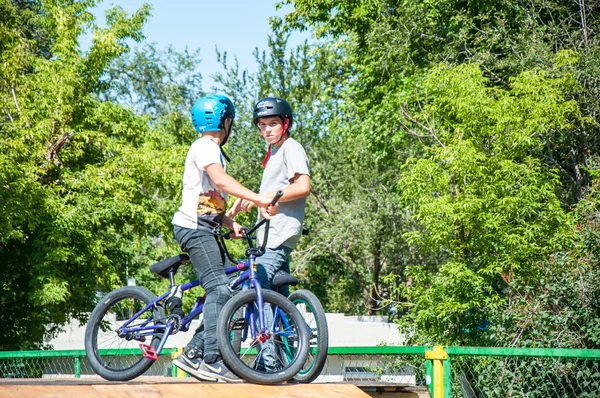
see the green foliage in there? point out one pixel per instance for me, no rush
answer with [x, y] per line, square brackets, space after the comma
[488, 110]
[453, 150]
[562, 309]
[525, 376]
[86, 184]
[491, 156]
[155, 82]
[392, 45]
[481, 196]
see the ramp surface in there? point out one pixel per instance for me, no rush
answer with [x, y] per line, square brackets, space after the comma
[155, 387]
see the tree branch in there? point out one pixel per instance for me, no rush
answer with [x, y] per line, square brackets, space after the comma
[413, 120]
[583, 21]
[12, 89]
[9, 115]
[52, 150]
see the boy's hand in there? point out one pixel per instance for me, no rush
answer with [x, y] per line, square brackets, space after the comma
[237, 231]
[268, 212]
[247, 205]
[266, 209]
[235, 209]
[240, 205]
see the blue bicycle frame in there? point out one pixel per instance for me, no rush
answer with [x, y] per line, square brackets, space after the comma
[247, 279]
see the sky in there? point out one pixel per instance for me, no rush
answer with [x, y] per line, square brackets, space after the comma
[234, 26]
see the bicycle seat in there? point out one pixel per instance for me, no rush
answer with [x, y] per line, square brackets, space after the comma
[283, 278]
[171, 264]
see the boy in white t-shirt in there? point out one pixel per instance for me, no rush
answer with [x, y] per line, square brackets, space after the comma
[205, 188]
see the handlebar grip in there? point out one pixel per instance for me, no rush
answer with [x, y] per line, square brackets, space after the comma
[228, 234]
[277, 196]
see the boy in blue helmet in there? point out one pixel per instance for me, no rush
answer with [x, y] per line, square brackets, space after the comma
[205, 188]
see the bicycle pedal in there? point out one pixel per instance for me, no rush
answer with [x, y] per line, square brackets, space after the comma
[238, 324]
[149, 352]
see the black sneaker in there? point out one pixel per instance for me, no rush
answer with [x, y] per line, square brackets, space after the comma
[191, 366]
[217, 372]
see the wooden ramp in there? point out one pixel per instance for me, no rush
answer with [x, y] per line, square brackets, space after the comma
[166, 387]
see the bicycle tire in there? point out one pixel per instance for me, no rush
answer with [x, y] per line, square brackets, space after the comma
[311, 309]
[101, 339]
[242, 361]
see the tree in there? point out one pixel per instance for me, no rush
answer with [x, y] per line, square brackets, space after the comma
[86, 184]
[392, 44]
[492, 156]
[161, 83]
[482, 196]
[350, 211]
[562, 309]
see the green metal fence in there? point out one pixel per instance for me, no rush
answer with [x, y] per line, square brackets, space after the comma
[448, 371]
[522, 372]
[66, 364]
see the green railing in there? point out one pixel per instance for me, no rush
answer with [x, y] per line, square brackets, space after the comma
[66, 363]
[517, 372]
[467, 372]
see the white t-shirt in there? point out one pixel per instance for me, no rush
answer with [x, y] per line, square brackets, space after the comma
[284, 162]
[200, 196]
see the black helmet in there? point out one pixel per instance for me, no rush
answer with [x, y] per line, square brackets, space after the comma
[272, 106]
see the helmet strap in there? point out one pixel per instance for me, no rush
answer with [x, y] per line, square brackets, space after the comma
[227, 133]
[286, 125]
[225, 155]
[267, 156]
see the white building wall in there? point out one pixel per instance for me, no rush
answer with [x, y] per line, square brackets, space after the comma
[344, 331]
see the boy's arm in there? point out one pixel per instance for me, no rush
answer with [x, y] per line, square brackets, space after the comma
[230, 185]
[298, 188]
[239, 204]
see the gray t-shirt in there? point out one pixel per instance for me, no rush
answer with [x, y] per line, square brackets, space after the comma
[285, 161]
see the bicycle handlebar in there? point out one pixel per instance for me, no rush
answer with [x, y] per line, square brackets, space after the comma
[277, 196]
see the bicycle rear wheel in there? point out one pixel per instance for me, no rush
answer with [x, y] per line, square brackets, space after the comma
[311, 309]
[263, 358]
[116, 356]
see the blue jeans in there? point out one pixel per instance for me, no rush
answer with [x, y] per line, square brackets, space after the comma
[269, 263]
[266, 266]
[209, 262]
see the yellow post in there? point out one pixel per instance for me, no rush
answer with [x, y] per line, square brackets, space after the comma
[178, 372]
[437, 356]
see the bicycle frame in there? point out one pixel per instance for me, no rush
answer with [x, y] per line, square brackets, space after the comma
[247, 278]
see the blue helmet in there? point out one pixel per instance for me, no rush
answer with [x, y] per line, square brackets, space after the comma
[209, 112]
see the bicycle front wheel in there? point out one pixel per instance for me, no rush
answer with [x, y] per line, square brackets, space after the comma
[112, 353]
[272, 356]
[312, 311]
